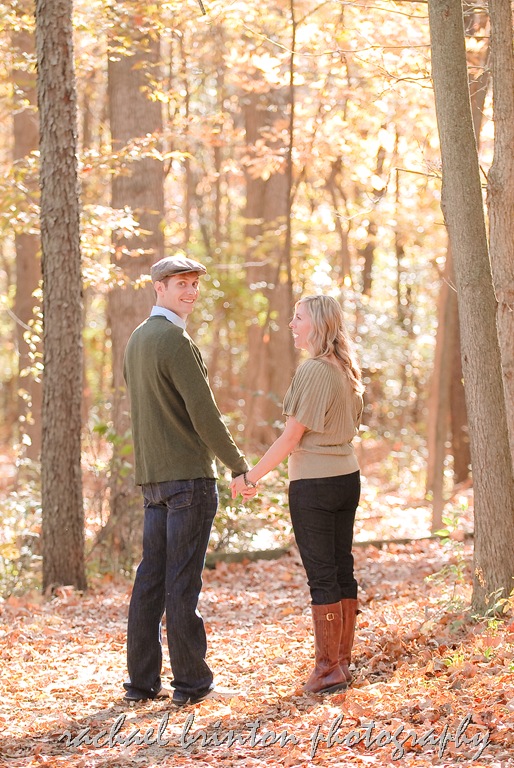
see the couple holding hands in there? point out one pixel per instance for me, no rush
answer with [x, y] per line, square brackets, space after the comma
[178, 433]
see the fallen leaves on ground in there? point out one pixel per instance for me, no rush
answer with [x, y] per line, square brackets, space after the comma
[431, 687]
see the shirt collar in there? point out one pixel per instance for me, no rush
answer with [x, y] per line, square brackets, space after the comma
[169, 315]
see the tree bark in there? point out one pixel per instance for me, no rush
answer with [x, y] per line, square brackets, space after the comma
[271, 357]
[334, 188]
[368, 253]
[463, 211]
[500, 194]
[458, 414]
[448, 331]
[476, 22]
[139, 186]
[63, 515]
[439, 404]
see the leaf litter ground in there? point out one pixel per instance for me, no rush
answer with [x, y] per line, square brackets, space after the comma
[431, 687]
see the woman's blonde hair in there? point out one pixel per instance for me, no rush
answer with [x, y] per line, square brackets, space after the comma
[330, 337]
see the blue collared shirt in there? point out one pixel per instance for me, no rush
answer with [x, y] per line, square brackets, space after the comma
[169, 315]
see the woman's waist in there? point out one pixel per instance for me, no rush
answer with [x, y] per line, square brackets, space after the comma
[308, 464]
[338, 449]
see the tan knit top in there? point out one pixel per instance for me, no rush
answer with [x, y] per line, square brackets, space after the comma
[322, 399]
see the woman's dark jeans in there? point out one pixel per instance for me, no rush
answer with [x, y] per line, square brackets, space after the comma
[323, 514]
[177, 526]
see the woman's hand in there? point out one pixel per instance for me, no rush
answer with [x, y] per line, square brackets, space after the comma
[238, 485]
[249, 493]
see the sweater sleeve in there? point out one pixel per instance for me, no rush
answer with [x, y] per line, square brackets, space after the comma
[189, 375]
[308, 396]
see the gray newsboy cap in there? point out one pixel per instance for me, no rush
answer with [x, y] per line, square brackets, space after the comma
[175, 265]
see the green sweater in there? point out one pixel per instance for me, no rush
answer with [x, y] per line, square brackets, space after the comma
[176, 425]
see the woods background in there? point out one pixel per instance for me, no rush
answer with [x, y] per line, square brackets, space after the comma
[292, 147]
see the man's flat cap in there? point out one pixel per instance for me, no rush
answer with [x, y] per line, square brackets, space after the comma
[175, 265]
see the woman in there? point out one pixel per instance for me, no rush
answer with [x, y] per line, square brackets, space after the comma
[323, 406]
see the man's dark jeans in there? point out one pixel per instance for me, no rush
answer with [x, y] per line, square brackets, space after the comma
[323, 513]
[177, 526]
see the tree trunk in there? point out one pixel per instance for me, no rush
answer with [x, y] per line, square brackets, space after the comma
[189, 181]
[464, 216]
[500, 194]
[63, 515]
[28, 265]
[448, 334]
[458, 414]
[335, 189]
[271, 357]
[369, 256]
[439, 404]
[139, 187]
[476, 24]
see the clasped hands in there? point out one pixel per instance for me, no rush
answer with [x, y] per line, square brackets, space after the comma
[238, 485]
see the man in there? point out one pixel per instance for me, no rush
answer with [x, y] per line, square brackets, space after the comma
[177, 431]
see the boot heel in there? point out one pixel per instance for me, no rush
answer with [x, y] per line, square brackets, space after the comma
[349, 611]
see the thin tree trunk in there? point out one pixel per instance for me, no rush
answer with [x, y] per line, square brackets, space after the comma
[369, 256]
[219, 143]
[371, 244]
[333, 188]
[448, 336]
[189, 180]
[288, 287]
[500, 194]
[439, 404]
[464, 215]
[63, 515]
[458, 413]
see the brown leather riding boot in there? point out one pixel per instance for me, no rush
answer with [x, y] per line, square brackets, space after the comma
[349, 611]
[327, 676]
